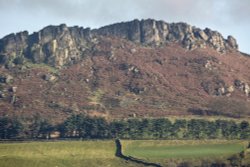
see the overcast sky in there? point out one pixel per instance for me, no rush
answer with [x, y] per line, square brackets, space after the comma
[230, 17]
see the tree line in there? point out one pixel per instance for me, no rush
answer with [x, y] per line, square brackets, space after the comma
[86, 127]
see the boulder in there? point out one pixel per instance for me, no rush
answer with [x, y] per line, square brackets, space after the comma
[230, 89]
[221, 91]
[208, 65]
[132, 50]
[242, 86]
[6, 79]
[246, 89]
[49, 77]
[13, 89]
[231, 41]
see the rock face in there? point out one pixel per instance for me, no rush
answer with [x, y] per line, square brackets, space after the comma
[154, 32]
[58, 45]
[54, 45]
[242, 86]
[62, 45]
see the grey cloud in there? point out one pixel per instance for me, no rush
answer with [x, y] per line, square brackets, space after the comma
[114, 9]
[240, 10]
[108, 11]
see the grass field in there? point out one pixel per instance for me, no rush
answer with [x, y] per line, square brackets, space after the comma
[189, 150]
[181, 149]
[60, 154]
[101, 153]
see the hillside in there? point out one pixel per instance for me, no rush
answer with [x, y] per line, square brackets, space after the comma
[144, 68]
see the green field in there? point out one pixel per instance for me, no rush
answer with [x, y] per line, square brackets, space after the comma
[166, 151]
[60, 154]
[101, 153]
[182, 149]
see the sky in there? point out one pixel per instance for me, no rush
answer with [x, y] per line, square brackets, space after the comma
[229, 17]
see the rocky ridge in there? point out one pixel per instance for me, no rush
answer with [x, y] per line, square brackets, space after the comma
[152, 32]
[62, 45]
[141, 68]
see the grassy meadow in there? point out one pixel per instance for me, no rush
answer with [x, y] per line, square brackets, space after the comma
[165, 151]
[182, 149]
[60, 154]
[101, 153]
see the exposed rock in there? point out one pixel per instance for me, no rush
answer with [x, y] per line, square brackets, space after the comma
[221, 91]
[215, 86]
[12, 46]
[134, 69]
[2, 95]
[9, 79]
[242, 86]
[133, 50]
[13, 99]
[49, 77]
[231, 41]
[230, 89]
[246, 89]
[55, 45]
[13, 89]
[62, 45]
[203, 35]
[6, 78]
[208, 65]
[152, 32]
[224, 91]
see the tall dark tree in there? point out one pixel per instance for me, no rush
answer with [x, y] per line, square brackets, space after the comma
[119, 129]
[10, 128]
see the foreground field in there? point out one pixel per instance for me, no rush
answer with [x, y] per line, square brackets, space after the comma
[165, 151]
[102, 153]
[60, 154]
[182, 149]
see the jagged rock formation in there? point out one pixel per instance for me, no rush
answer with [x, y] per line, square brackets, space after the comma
[54, 45]
[61, 45]
[157, 32]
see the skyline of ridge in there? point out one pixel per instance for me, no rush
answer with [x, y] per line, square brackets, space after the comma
[228, 17]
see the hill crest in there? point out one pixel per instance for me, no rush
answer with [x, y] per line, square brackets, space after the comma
[131, 69]
[62, 45]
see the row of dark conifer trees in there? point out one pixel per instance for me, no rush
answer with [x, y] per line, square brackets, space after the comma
[85, 127]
